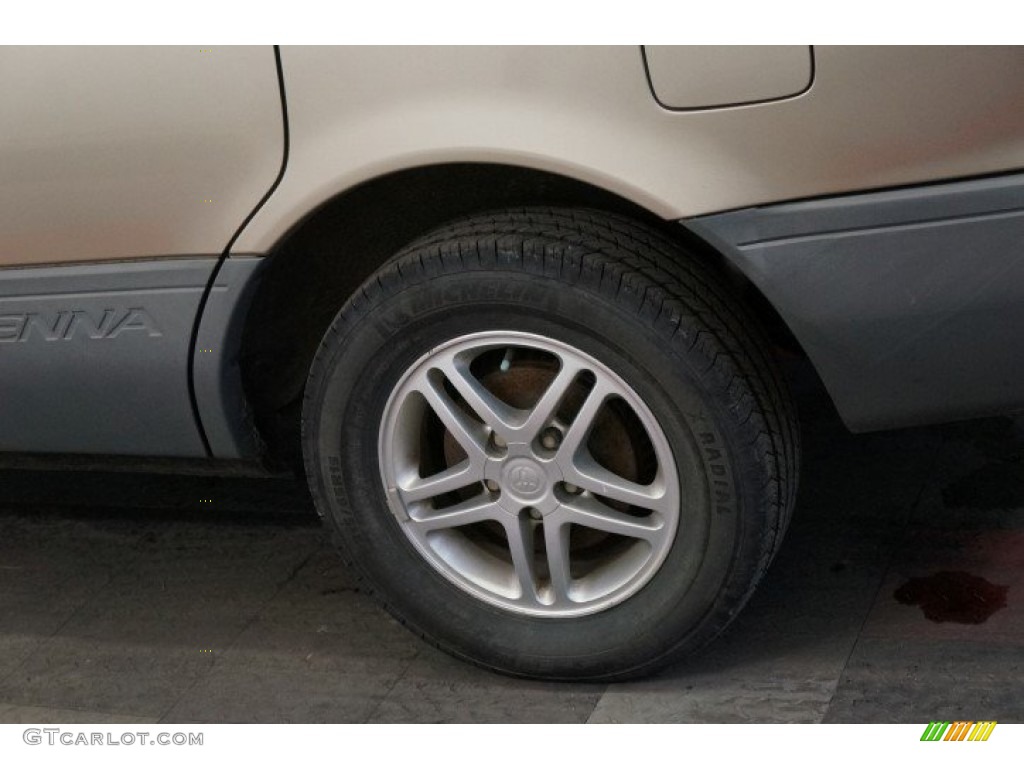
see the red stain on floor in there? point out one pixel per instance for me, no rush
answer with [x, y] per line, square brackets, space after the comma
[954, 596]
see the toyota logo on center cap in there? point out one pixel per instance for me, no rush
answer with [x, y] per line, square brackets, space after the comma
[525, 480]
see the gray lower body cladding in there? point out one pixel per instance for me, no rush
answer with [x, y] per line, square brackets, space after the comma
[94, 358]
[910, 303]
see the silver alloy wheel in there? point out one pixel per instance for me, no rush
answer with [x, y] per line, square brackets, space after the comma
[503, 494]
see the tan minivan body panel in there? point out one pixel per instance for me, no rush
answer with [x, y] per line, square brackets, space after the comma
[874, 117]
[134, 152]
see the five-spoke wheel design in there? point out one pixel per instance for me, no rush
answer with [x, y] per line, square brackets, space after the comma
[529, 474]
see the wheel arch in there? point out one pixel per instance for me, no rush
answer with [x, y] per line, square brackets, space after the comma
[317, 265]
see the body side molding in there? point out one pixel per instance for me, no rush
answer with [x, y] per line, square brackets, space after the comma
[909, 302]
[95, 357]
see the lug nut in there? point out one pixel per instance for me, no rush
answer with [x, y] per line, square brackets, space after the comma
[499, 441]
[550, 438]
[570, 488]
[492, 485]
[534, 514]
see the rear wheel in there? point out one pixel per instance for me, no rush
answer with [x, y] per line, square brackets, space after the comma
[552, 444]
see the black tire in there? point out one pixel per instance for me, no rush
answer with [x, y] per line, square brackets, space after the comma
[631, 298]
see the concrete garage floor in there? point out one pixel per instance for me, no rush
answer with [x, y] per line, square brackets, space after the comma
[125, 598]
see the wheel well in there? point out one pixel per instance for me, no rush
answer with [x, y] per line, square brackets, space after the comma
[316, 266]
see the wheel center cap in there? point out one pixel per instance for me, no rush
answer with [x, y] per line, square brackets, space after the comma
[525, 479]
